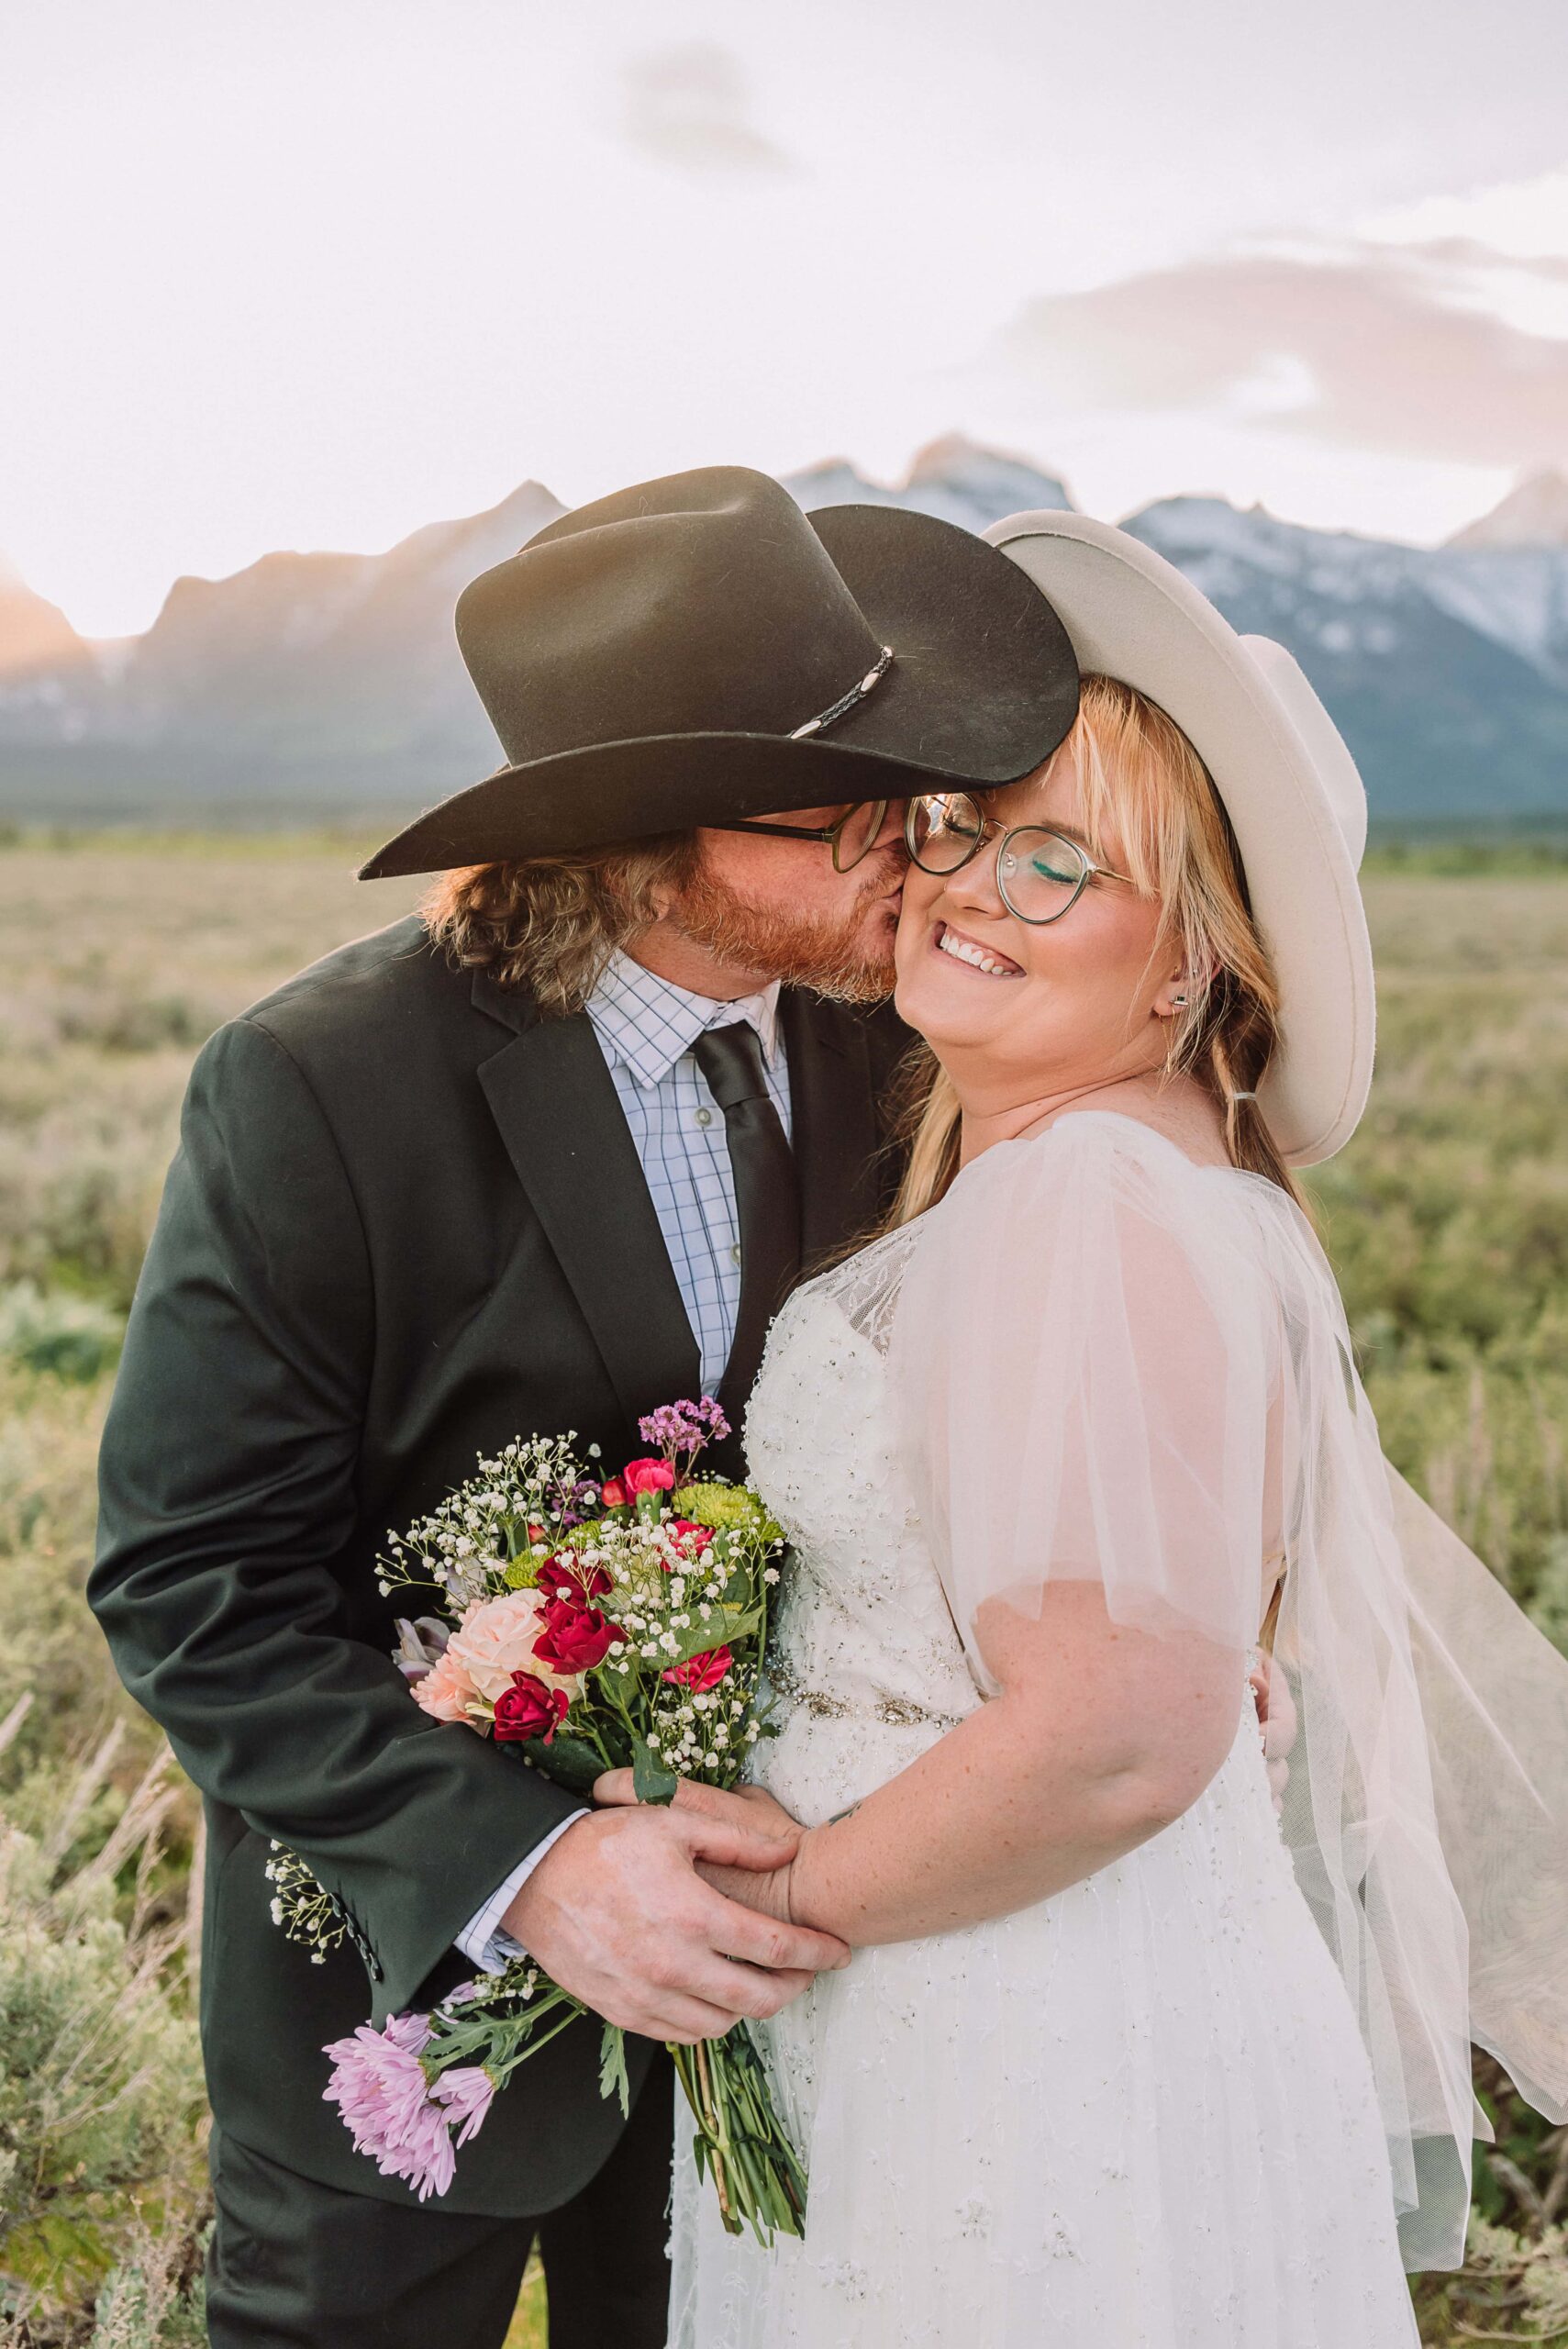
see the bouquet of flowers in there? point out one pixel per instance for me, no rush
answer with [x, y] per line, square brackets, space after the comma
[594, 1625]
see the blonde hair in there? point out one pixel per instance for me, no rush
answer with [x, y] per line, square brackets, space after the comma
[550, 923]
[1143, 781]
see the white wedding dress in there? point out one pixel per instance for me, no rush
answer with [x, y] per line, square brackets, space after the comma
[1142, 2114]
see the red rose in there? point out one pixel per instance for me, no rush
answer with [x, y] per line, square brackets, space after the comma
[528, 1709]
[613, 1493]
[703, 1672]
[563, 1579]
[647, 1476]
[575, 1639]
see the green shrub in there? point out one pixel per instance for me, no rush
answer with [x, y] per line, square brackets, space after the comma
[1514, 2287]
[70, 1337]
[155, 2299]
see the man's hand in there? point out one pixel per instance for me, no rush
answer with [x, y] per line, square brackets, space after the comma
[1276, 1717]
[747, 1810]
[617, 1913]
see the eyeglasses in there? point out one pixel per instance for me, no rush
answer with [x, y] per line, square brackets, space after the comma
[854, 835]
[1041, 873]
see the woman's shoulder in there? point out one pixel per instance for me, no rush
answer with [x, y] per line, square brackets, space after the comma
[1106, 1151]
[1112, 1187]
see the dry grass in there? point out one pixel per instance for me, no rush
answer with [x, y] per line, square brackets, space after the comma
[1447, 1217]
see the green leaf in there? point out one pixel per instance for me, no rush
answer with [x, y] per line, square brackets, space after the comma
[571, 1762]
[726, 1627]
[650, 1781]
[613, 2078]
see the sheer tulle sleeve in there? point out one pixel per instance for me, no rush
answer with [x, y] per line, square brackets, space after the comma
[1080, 1367]
[1106, 1364]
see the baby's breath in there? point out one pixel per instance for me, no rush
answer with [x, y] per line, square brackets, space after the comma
[306, 1912]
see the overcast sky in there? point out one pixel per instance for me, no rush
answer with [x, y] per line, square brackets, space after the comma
[316, 273]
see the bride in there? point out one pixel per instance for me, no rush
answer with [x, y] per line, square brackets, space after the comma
[1124, 2058]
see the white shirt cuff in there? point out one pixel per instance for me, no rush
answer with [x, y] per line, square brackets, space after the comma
[482, 1939]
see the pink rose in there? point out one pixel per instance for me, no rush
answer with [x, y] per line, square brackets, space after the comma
[647, 1476]
[613, 1493]
[495, 1638]
[446, 1691]
[703, 1672]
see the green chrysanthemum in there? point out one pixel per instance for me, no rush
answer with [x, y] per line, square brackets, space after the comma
[727, 1509]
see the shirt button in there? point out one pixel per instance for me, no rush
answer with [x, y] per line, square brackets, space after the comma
[704, 1117]
[735, 1255]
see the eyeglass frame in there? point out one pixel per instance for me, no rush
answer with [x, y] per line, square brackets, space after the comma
[1093, 870]
[827, 835]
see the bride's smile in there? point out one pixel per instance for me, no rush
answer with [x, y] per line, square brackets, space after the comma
[947, 939]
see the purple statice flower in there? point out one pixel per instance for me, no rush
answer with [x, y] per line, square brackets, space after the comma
[379, 2086]
[581, 1504]
[466, 2092]
[685, 1426]
[420, 1645]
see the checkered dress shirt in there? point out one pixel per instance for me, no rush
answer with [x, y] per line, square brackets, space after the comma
[646, 1027]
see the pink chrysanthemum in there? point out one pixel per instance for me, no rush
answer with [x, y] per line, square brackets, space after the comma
[379, 2086]
[466, 2091]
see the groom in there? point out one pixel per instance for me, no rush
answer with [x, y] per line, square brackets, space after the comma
[538, 1160]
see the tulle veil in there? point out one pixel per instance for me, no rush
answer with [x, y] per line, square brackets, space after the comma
[1096, 1346]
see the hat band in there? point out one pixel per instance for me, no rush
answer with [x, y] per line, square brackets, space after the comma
[846, 702]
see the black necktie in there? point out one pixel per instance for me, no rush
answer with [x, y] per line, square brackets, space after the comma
[766, 1195]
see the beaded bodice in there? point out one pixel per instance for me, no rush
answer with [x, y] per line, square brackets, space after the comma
[865, 1666]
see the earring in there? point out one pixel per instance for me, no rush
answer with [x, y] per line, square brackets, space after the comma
[1180, 999]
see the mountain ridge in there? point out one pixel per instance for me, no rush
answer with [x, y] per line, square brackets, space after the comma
[330, 684]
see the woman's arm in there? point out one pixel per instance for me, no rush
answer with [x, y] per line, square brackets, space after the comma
[1100, 1736]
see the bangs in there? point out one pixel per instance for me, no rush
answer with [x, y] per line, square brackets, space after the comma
[1140, 781]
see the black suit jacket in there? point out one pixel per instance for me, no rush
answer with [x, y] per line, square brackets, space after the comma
[406, 1223]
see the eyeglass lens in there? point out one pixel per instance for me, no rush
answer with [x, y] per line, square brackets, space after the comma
[942, 830]
[858, 833]
[1039, 871]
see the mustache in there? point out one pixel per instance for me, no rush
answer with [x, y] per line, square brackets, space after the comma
[845, 954]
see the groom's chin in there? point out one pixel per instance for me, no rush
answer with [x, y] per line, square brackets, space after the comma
[872, 984]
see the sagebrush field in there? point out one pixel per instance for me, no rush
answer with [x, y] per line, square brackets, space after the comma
[1447, 1218]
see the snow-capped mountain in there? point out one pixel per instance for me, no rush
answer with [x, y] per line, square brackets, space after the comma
[319, 683]
[1534, 514]
[952, 478]
[1446, 669]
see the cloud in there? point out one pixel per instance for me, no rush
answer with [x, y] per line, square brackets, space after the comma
[1436, 350]
[689, 106]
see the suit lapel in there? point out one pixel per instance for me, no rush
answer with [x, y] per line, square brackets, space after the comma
[833, 1117]
[555, 1104]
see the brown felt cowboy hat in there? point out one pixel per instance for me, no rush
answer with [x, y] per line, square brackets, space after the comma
[697, 650]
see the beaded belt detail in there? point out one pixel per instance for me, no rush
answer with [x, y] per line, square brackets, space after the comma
[896, 1712]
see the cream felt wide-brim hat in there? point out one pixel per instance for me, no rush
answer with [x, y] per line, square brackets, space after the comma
[1290, 788]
